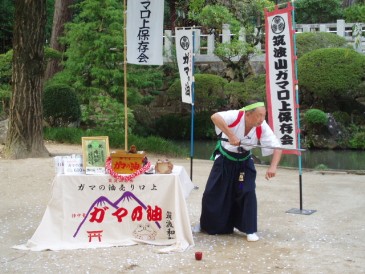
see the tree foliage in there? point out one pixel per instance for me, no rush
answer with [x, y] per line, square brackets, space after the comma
[243, 18]
[94, 64]
[355, 13]
[7, 23]
[214, 16]
[318, 11]
[94, 40]
[62, 15]
[6, 74]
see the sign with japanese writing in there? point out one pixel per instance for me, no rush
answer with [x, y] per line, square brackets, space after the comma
[100, 211]
[72, 164]
[145, 32]
[280, 77]
[95, 151]
[184, 55]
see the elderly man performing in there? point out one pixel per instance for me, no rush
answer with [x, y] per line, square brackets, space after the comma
[229, 199]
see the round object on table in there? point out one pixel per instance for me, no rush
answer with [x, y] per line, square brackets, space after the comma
[164, 167]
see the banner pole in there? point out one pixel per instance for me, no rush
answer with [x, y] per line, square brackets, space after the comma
[125, 78]
[192, 112]
[300, 211]
[298, 113]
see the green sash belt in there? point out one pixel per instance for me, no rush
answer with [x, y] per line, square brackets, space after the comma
[219, 148]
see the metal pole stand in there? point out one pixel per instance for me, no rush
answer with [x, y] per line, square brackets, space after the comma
[301, 210]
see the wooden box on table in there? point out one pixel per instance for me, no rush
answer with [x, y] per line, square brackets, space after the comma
[125, 162]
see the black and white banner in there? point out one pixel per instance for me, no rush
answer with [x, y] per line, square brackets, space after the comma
[184, 55]
[145, 32]
[280, 77]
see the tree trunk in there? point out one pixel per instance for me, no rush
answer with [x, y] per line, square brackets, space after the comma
[62, 14]
[172, 15]
[348, 3]
[25, 134]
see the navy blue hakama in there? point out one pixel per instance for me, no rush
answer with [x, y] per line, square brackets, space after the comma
[227, 202]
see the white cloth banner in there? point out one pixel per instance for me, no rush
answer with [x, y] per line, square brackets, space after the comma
[145, 32]
[184, 55]
[280, 77]
[89, 211]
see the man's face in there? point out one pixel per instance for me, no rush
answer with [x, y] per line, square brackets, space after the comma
[257, 116]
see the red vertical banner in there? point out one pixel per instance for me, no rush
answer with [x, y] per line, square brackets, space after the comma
[280, 77]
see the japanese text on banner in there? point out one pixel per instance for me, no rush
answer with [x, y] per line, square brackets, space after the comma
[280, 77]
[184, 55]
[145, 32]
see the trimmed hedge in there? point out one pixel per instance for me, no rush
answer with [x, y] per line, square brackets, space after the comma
[60, 105]
[309, 41]
[315, 117]
[329, 77]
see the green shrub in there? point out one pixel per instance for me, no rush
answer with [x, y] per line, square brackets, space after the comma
[6, 74]
[5, 67]
[255, 86]
[177, 127]
[358, 141]
[321, 167]
[359, 117]
[315, 117]
[309, 41]
[5, 79]
[60, 106]
[6, 63]
[158, 145]
[236, 94]
[102, 111]
[209, 92]
[50, 53]
[68, 135]
[151, 144]
[342, 117]
[203, 126]
[145, 122]
[5, 95]
[173, 126]
[329, 77]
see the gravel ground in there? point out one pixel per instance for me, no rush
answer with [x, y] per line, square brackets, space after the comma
[331, 240]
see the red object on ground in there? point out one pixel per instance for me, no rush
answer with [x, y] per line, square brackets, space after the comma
[198, 256]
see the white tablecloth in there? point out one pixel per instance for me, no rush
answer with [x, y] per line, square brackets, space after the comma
[88, 211]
